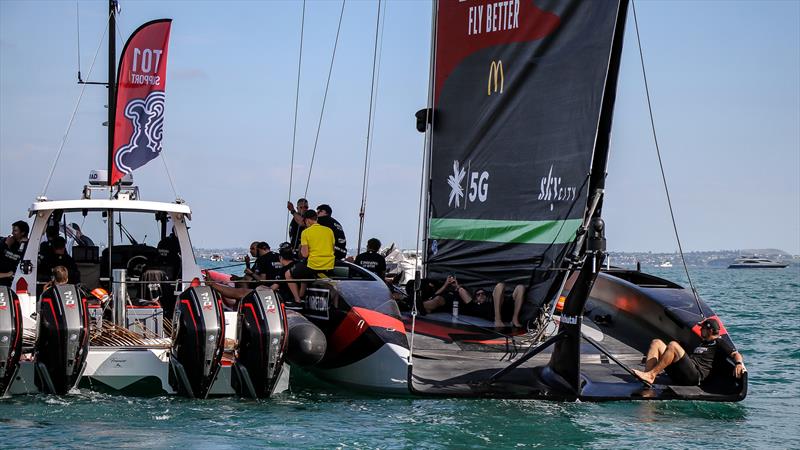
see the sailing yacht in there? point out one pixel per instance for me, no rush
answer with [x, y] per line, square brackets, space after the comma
[518, 128]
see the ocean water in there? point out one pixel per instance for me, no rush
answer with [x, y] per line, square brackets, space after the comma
[760, 308]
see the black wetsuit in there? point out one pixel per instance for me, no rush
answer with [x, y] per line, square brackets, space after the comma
[47, 265]
[283, 291]
[295, 229]
[269, 265]
[694, 367]
[372, 261]
[10, 256]
[339, 239]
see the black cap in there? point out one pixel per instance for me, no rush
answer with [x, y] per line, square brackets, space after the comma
[710, 324]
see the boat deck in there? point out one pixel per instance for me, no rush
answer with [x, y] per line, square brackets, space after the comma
[458, 359]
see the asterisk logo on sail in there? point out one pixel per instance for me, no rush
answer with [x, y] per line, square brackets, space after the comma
[454, 180]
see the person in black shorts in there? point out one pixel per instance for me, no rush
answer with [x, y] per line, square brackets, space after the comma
[435, 295]
[372, 260]
[689, 369]
[496, 304]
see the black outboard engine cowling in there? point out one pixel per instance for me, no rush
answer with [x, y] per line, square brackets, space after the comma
[198, 336]
[10, 337]
[261, 344]
[62, 339]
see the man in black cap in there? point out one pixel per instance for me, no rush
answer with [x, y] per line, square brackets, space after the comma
[689, 369]
[325, 218]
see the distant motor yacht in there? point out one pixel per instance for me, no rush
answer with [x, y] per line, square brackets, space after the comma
[666, 264]
[753, 262]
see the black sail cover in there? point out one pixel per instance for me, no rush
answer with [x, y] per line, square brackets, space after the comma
[517, 93]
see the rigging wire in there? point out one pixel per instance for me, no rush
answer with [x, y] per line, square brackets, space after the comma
[74, 112]
[296, 102]
[377, 94]
[660, 163]
[368, 147]
[324, 98]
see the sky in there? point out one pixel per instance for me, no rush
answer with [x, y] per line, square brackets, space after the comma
[724, 80]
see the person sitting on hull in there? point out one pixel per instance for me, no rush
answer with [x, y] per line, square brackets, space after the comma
[296, 226]
[247, 258]
[372, 260]
[232, 295]
[12, 249]
[435, 295]
[325, 218]
[316, 245]
[491, 308]
[689, 369]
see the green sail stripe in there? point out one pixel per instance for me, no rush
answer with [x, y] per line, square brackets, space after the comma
[505, 231]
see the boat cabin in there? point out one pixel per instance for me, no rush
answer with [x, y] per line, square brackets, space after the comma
[135, 248]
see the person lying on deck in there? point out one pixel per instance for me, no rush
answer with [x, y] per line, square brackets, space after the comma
[689, 370]
[436, 295]
[491, 308]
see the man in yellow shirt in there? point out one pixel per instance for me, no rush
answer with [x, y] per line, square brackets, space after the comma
[316, 245]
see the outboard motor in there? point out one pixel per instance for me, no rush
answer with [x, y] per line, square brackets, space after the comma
[198, 336]
[62, 339]
[261, 344]
[10, 338]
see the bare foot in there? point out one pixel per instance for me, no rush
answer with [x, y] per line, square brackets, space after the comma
[499, 324]
[645, 376]
[516, 324]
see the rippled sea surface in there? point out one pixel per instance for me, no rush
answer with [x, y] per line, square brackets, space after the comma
[760, 308]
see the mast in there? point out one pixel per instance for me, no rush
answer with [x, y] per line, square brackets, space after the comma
[426, 155]
[564, 367]
[112, 97]
[112, 80]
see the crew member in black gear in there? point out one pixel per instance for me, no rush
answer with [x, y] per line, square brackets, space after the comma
[325, 218]
[12, 249]
[59, 257]
[296, 226]
[372, 260]
[268, 265]
[690, 369]
[46, 247]
[287, 261]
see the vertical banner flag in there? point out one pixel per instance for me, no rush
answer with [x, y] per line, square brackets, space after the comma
[141, 81]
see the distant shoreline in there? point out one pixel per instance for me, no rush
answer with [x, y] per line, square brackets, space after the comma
[711, 258]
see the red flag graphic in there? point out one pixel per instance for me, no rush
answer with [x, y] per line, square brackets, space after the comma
[141, 82]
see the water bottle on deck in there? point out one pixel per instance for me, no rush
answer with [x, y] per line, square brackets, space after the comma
[455, 311]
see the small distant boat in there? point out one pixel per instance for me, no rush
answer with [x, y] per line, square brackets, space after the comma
[666, 264]
[754, 262]
[216, 257]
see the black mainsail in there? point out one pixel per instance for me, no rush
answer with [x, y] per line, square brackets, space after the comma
[518, 90]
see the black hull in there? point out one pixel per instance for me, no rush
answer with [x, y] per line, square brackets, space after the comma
[625, 312]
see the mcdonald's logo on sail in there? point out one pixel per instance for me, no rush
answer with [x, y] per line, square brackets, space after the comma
[495, 70]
